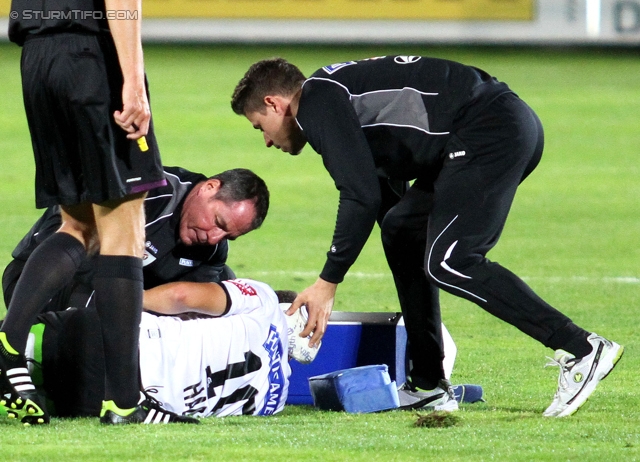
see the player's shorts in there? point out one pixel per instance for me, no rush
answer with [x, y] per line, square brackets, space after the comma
[72, 84]
[76, 386]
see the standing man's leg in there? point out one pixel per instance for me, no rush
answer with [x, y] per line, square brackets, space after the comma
[404, 231]
[118, 285]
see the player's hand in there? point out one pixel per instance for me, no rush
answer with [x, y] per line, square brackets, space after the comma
[319, 301]
[135, 115]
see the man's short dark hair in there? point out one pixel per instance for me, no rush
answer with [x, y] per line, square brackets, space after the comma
[275, 76]
[241, 184]
[286, 296]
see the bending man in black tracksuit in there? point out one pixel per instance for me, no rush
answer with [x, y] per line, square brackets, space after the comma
[185, 236]
[468, 141]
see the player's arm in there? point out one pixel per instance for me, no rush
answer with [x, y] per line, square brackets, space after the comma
[187, 297]
[332, 129]
[127, 38]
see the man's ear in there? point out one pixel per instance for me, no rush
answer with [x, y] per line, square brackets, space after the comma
[274, 103]
[210, 187]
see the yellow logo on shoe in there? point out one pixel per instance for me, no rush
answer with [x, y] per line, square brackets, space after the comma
[578, 377]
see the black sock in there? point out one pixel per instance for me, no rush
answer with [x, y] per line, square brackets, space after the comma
[48, 270]
[573, 339]
[118, 297]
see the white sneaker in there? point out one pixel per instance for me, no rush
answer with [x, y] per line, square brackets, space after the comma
[440, 398]
[560, 358]
[580, 376]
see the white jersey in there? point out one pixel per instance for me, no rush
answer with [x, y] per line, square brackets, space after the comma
[230, 365]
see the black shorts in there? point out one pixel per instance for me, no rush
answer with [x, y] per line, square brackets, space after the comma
[72, 84]
[72, 372]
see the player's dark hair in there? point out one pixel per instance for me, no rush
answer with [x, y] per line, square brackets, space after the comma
[275, 76]
[241, 184]
[286, 296]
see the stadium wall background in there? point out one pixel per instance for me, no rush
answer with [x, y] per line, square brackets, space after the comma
[527, 22]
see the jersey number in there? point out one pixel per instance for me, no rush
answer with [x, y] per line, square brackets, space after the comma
[251, 363]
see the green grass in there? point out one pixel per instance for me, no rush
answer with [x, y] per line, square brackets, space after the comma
[573, 235]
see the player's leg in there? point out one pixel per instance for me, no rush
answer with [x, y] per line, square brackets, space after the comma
[404, 230]
[49, 269]
[473, 195]
[118, 285]
[404, 233]
[68, 358]
[10, 278]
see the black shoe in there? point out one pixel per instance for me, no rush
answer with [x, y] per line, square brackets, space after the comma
[18, 395]
[149, 411]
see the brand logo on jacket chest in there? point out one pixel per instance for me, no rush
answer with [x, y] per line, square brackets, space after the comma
[151, 247]
[185, 262]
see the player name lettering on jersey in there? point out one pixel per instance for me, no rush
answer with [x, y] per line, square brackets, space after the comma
[193, 397]
[276, 376]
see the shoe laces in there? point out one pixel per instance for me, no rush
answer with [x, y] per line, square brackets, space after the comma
[565, 367]
[448, 389]
[150, 401]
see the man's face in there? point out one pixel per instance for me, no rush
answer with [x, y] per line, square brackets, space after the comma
[207, 220]
[279, 127]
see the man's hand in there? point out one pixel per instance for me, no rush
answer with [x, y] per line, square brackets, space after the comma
[319, 301]
[135, 115]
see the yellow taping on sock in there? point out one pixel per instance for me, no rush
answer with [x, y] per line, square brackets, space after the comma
[5, 343]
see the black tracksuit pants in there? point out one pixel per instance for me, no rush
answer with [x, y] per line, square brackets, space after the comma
[437, 235]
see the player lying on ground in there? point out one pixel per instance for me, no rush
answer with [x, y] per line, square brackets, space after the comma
[468, 141]
[233, 363]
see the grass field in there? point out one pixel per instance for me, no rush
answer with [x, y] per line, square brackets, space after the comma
[573, 235]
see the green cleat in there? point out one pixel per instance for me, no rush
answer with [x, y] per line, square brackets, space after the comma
[18, 396]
